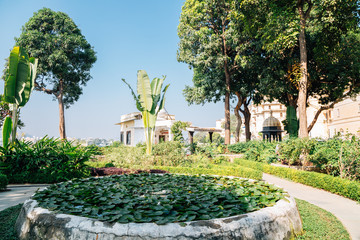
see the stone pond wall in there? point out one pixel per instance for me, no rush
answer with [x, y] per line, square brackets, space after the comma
[282, 221]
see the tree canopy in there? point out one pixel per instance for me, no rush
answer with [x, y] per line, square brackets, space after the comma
[65, 57]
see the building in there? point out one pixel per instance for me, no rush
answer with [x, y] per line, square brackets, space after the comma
[343, 118]
[263, 111]
[132, 129]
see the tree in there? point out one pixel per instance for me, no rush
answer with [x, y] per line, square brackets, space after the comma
[177, 129]
[149, 102]
[65, 57]
[310, 36]
[208, 40]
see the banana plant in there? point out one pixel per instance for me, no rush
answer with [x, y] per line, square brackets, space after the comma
[149, 102]
[19, 82]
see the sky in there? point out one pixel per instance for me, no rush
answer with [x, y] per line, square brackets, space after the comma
[127, 36]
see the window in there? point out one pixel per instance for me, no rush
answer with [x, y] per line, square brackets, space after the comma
[122, 137]
[338, 112]
[281, 114]
[128, 138]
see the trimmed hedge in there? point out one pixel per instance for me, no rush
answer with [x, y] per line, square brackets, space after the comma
[3, 181]
[343, 187]
[233, 171]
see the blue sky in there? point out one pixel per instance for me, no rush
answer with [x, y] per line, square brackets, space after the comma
[127, 36]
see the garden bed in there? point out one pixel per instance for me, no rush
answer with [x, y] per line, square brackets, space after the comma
[149, 206]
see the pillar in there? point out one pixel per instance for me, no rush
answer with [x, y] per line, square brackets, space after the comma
[210, 136]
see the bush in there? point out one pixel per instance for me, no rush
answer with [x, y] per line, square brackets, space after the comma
[124, 156]
[46, 161]
[3, 181]
[293, 149]
[343, 187]
[234, 171]
[259, 151]
[170, 153]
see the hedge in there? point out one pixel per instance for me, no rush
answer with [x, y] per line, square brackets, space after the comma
[3, 181]
[234, 171]
[343, 187]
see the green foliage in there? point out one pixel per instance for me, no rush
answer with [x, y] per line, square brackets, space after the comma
[149, 102]
[3, 181]
[260, 151]
[343, 187]
[177, 128]
[291, 123]
[158, 198]
[124, 157]
[291, 150]
[319, 224]
[45, 161]
[6, 130]
[63, 53]
[19, 82]
[170, 153]
[7, 222]
[217, 170]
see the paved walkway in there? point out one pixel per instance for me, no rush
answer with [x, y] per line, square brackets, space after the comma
[346, 210]
[17, 194]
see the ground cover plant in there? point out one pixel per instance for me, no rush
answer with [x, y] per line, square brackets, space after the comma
[158, 198]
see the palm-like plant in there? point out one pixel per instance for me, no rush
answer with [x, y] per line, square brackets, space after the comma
[149, 102]
[19, 82]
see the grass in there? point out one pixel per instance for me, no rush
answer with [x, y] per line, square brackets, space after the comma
[317, 223]
[320, 224]
[7, 222]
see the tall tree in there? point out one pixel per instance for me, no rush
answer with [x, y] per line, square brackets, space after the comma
[315, 30]
[208, 39]
[65, 57]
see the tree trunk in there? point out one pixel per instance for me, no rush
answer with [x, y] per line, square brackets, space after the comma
[227, 86]
[61, 110]
[247, 116]
[238, 125]
[238, 116]
[303, 82]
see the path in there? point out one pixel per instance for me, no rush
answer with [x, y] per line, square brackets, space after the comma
[346, 210]
[17, 194]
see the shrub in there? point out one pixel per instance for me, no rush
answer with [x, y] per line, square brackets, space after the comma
[293, 149]
[259, 151]
[124, 156]
[170, 153]
[235, 171]
[343, 187]
[3, 181]
[46, 161]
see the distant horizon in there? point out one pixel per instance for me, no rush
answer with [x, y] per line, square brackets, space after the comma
[128, 36]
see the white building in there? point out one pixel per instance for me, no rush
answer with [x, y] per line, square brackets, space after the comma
[132, 129]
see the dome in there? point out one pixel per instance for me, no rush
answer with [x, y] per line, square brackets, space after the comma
[271, 122]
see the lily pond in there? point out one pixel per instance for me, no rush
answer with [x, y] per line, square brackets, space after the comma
[159, 198]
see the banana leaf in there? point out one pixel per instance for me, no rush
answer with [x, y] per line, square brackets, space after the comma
[6, 131]
[29, 85]
[144, 90]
